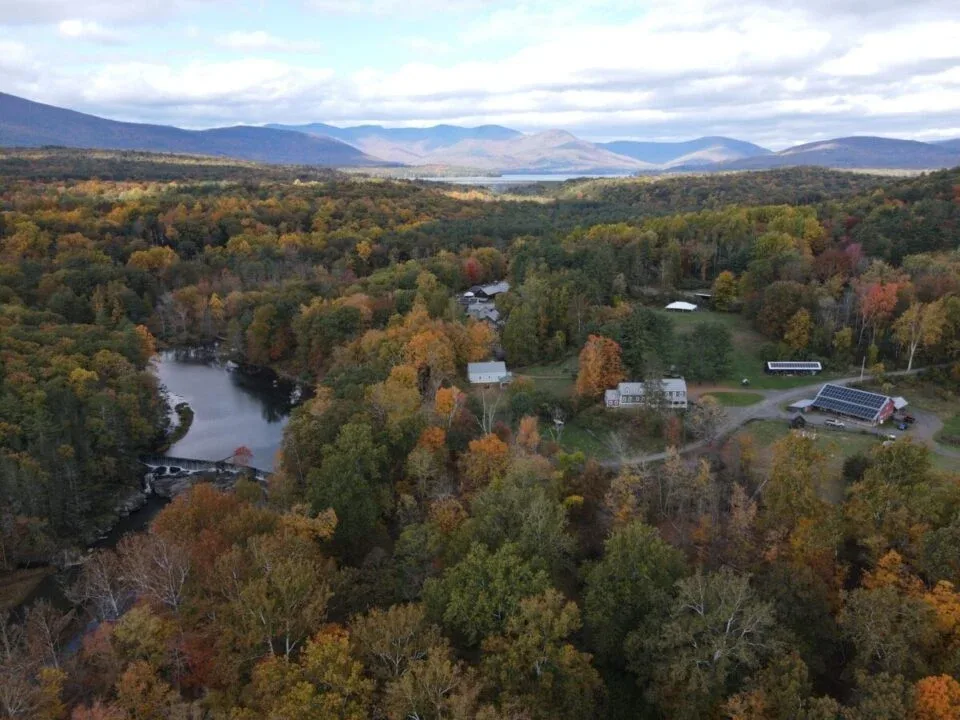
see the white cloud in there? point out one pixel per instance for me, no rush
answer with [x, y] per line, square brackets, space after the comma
[89, 30]
[391, 7]
[793, 70]
[25, 12]
[262, 41]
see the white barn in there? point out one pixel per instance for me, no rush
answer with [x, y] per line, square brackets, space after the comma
[631, 394]
[488, 373]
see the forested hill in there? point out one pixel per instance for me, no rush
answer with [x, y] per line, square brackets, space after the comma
[436, 549]
[24, 123]
[670, 194]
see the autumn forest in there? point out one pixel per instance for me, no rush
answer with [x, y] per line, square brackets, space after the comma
[428, 548]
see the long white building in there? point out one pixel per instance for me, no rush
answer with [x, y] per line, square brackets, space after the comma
[631, 394]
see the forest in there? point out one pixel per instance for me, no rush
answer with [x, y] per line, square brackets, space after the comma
[428, 549]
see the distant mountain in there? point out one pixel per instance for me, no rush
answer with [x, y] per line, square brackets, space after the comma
[702, 151]
[952, 144]
[428, 138]
[854, 152]
[552, 151]
[487, 148]
[24, 123]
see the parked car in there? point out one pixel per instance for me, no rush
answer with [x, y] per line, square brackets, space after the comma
[903, 426]
[833, 422]
[909, 419]
[890, 436]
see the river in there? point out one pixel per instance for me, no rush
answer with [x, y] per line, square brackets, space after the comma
[230, 407]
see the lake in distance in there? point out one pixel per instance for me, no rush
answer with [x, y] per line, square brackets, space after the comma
[506, 180]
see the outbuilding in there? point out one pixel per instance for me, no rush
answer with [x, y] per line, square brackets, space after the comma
[681, 306]
[792, 367]
[868, 407]
[488, 373]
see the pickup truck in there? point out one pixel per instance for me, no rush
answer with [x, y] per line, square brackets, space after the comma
[834, 423]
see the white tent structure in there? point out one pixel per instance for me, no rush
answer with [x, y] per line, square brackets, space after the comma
[681, 306]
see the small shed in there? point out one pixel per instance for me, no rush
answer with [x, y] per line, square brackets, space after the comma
[488, 373]
[681, 306]
[800, 406]
[899, 402]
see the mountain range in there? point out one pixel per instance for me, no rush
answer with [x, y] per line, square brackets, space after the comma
[24, 123]
[488, 148]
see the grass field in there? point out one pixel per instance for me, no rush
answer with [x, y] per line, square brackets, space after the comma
[735, 399]
[951, 428]
[747, 359]
[557, 379]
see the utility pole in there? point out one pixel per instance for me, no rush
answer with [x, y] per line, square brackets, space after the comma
[862, 364]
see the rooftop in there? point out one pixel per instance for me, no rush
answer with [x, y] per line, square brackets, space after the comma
[487, 368]
[668, 385]
[859, 404]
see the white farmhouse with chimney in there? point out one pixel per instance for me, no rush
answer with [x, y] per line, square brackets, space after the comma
[631, 394]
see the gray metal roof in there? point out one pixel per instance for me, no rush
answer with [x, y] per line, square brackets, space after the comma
[487, 368]
[668, 385]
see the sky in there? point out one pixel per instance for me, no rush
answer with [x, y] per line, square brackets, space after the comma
[775, 72]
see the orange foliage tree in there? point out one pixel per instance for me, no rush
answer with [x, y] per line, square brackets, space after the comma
[485, 460]
[601, 366]
[936, 698]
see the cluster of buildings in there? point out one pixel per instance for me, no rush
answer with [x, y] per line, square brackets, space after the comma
[478, 301]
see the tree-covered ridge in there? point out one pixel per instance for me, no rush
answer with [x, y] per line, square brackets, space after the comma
[428, 549]
[673, 194]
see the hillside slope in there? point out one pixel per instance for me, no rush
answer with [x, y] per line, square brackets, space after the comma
[854, 152]
[24, 123]
[701, 151]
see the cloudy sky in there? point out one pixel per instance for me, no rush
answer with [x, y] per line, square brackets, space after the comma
[775, 72]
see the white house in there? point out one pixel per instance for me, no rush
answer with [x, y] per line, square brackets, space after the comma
[681, 306]
[631, 394]
[488, 373]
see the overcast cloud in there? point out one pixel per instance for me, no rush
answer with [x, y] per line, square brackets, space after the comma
[776, 73]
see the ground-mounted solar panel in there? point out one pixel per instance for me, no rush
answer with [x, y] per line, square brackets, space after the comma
[793, 366]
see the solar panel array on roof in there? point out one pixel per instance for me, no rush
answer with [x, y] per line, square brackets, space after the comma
[794, 365]
[848, 401]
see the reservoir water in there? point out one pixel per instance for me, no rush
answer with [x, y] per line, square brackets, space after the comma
[508, 180]
[230, 408]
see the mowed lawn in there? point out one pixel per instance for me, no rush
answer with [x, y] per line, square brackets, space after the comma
[747, 360]
[558, 379]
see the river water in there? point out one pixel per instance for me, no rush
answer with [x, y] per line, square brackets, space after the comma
[231, 408]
